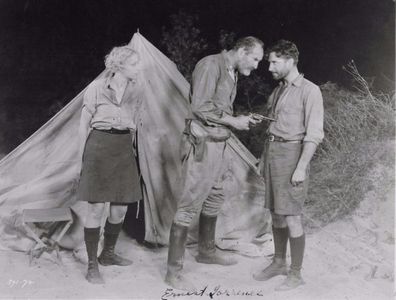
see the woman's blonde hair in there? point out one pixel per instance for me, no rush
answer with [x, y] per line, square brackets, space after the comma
[117, 57]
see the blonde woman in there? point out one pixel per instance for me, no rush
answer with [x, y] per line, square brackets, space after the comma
[109, 171]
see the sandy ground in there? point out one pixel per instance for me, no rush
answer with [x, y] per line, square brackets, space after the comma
[349, 259]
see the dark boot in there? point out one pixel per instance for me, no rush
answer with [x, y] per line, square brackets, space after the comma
[177, 245]
[108, 257]
[91, 237]
[207, 253]
[278, 265]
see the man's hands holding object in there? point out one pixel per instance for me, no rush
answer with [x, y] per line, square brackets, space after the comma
[243, 122]
[257, 118]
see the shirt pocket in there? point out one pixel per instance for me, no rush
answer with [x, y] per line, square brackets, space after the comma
[294, 107]
[292, 116]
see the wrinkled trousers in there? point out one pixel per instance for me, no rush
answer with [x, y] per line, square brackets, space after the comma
[202, 182]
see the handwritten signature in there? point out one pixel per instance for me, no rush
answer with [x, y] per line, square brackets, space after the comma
[211, 293]
[14, 283]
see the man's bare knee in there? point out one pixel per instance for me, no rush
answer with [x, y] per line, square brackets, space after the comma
[295, 226]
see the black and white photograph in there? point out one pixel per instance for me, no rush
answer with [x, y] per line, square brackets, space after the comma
[197, 149]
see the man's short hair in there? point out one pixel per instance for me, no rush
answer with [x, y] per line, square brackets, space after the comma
[283, 48]
[248, 43]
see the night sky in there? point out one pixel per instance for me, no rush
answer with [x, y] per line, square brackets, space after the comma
[51, 49]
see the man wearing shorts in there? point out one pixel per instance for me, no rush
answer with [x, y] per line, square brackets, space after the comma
[297, 107]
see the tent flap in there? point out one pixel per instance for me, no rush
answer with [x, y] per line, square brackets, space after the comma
[44, 170]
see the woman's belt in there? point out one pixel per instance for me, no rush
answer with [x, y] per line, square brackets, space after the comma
[114, 130]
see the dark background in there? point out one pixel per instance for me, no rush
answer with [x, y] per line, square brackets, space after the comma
[51, 49]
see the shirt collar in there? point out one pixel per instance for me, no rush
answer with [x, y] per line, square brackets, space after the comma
[109, 82]
[296, 82]
[231, 70]
[227, 61]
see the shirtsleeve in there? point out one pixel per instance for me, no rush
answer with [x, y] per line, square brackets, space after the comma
[90, 98]
[314, 116]
[204, 81]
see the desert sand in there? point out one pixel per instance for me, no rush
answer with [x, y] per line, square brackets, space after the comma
[352, 258]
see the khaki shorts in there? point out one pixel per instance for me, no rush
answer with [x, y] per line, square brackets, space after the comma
[280, 161]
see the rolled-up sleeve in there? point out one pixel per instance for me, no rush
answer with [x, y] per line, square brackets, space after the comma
[314, 116]
[204, 80]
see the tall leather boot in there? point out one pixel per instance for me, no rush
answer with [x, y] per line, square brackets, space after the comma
[278, 265]
[177, 245]
[207, 253]
[108, 257]
[91, 237]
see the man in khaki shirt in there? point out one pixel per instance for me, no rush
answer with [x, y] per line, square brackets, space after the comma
[213, 90]
[297, 107]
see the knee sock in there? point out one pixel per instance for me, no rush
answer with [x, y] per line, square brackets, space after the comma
[297, 246]
[281, 236]
[91, 238]
[111, 228]
[111, 232]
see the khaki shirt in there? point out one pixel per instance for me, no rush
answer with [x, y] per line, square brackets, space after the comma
[213, 89]
[298, 111]
[100, 101]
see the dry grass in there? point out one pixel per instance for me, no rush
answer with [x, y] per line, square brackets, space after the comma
[351, 117]
[359, 134]
[358, 128]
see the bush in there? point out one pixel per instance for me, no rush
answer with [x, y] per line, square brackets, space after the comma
[354, 116]
[357, 126]
[183, 42]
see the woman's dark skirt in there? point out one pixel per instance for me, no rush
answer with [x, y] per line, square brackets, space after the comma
[109, 169]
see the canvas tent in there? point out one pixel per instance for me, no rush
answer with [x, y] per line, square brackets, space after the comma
[43, 171]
